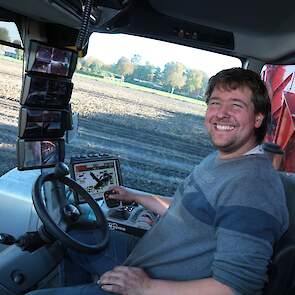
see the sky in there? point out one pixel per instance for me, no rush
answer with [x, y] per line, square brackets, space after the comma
[11, 27]
[110, 47]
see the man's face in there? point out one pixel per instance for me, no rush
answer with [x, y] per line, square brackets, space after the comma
[230, 121]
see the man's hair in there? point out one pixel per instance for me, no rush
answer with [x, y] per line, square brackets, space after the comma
[238, 78]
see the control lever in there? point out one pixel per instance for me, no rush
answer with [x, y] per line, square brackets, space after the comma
[30, 241]
[7, 239]
[113, 203]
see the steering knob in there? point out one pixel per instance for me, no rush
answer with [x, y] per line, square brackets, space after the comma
[71, 212]
[61, 170]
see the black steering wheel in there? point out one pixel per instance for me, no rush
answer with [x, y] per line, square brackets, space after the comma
[53, 227]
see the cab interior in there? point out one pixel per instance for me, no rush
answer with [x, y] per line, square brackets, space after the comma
[259, 33]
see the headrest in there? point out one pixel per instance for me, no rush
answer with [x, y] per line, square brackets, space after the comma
[288, 180]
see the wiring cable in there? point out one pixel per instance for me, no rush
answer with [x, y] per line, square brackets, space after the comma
[83, 32]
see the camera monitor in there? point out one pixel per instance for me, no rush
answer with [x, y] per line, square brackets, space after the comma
[39, 123]
[44, 91]
[96, 175]
[36, 154]
[50, 60]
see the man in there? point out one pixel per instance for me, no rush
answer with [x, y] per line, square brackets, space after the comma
[216, 235]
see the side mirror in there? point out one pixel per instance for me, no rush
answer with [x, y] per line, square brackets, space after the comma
[37, 154]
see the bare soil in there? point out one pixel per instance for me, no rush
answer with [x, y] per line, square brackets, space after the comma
[158, 139]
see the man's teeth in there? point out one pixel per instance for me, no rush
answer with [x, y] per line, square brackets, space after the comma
[224, 127]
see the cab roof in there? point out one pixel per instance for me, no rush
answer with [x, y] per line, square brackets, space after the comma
[261, 30]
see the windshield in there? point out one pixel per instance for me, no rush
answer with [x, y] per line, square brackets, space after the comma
[138, 99]
[142, 100]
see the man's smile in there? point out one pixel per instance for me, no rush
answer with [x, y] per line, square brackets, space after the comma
[222, 127]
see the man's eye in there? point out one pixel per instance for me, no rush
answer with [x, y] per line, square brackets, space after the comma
[214, 103]
[237, 105]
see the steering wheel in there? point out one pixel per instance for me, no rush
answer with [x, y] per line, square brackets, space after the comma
[53, 227]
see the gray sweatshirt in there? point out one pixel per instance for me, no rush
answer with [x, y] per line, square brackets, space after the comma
[222, 223]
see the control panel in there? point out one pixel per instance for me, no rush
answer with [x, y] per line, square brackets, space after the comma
[97, 174]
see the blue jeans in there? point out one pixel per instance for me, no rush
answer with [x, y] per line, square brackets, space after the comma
[89, 289]
[117, 250]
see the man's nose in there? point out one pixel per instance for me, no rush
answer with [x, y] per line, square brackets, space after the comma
[223, 111]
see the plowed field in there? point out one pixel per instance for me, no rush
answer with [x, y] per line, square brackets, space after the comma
[158, 139]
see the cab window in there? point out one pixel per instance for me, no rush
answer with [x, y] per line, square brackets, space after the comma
[144, 101]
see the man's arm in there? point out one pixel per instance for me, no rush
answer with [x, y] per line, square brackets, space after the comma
[134, 281]
[154, 203]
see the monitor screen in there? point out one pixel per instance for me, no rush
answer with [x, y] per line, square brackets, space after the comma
[39, 123]
[96, 176]
[51, 60]
[44, 91]
[33, 154]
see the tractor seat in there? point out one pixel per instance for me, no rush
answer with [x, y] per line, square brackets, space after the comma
[282, 267]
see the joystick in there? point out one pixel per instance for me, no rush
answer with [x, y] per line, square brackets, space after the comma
[111, 203]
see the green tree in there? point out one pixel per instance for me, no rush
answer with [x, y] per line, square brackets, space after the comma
[136, 58]
[124, 67]
[144, 72]
[157, 78]
[90, 65]
[173, 75]
[19, 52]
[94, 65]
[138, 72]
[82, 65]
[4, 34]
[204, 85]
[194, 81]
[149, 71]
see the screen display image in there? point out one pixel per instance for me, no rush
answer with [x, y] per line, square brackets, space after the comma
[42, 123]
[41, 91]
[49, 152]
[96, 177]
[51, 60]
[37, 154]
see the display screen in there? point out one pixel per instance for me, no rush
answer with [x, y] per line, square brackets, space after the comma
[49, 60]
[43, 91]
[96, 177]
[38, 154]
[36, 123]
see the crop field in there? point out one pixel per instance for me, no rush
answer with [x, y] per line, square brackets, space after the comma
[158, 139]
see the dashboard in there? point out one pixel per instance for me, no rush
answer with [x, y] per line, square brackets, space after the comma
[96, 174]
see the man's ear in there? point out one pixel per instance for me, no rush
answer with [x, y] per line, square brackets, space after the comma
[258, 120]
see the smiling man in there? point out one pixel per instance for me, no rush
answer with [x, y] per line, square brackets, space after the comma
[236, 113]
[216, 235]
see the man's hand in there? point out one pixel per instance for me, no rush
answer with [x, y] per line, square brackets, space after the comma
[134, 281]
[123, 194]
[154, 203]
[125, 280]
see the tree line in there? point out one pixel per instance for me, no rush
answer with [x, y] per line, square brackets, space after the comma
[4, 35]
[174, 78]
